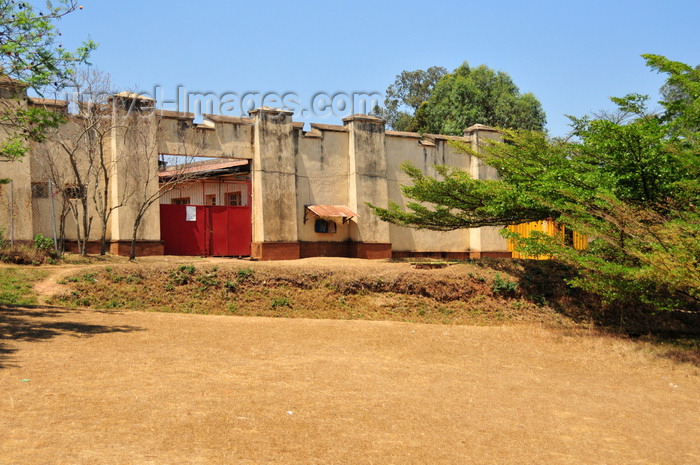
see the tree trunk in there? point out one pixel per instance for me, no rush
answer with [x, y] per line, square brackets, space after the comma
[103, 245]
[137, 223]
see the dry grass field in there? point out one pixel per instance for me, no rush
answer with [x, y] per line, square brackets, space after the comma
[116, 386]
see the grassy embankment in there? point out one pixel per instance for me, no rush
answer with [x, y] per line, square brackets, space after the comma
[480, 292]
[485, 292]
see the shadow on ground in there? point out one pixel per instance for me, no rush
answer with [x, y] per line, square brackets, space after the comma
[37, 324]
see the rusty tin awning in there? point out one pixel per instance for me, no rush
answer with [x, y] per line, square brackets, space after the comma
[330, 211]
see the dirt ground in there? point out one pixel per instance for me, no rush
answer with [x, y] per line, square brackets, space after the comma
[118, 387]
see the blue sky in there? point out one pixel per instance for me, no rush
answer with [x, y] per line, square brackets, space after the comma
[573, 55]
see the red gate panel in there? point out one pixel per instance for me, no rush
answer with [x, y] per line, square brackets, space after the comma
[230, 230]
[183, 235]
[202, 230]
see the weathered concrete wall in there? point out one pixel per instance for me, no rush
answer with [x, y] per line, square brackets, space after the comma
[16, 200]
[486, 239]
[367, 173]
[425, 154]
[217, 136]
[130, 158]
[15, 197]
[135, 163]
[273, 173]
[321, 178]
[51, 161]
[348, 165]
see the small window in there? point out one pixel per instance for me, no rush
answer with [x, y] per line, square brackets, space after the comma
[40, 190]
[181, 201]
[211, 199]
[324, 226]
[75, 192]
[234, 199]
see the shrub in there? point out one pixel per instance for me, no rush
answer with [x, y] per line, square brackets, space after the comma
[42, 242]
[22, 255]
[208, 280]
[503, 286]
[183, 274]
[244, 273]
[280, 302]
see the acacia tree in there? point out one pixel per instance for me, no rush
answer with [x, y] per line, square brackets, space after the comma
[32, 57]
[629, 182]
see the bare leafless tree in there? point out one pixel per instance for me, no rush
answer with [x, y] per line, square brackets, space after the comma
[72, 171]
[53, 170]
[85, 146]
[149, 171]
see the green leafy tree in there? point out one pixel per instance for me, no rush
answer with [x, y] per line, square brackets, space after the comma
[478, 95]
[678, 97]
[406, 95]
[628, 181]
[32, 57]
[437, 102]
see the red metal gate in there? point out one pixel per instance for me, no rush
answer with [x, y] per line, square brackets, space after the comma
[230, 231]
[205, 230]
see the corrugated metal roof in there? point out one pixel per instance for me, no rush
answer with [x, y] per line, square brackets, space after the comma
[332, 211]
[201, 168]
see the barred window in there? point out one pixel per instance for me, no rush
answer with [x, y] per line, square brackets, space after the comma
[234, 199]
[181, 201]
[40, 190]
[75, 192]
[324, 226]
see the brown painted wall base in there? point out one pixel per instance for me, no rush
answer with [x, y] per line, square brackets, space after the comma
[143, 248]
[438, 255]
[324, 249]
[274, 250]
[370, 250]
[295, 250]
[490, 255]
[449, 255]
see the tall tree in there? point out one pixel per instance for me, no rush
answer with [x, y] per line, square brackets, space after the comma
[478, 95]
[675, 95]
[32, 57]
[629, 181]
[406, 95]
[438, 102]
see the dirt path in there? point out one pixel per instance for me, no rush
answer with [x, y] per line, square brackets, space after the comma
[50, 286]
[86, 387]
